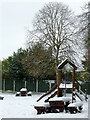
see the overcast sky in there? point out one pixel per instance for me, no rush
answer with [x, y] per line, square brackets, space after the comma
[16, 16]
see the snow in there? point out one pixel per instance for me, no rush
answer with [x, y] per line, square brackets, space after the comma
[29, 92]
[23, 89]
[61, 63]
[41, 104]
[65, 99]
[23, 107]
[76, 104]
[67, 85]
[18, 93]
[1, 96]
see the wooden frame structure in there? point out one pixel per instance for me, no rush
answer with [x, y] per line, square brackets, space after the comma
[57, 89]
[59, 77]
[60, 104]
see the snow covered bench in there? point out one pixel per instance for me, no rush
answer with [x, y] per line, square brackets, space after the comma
[18, 94]
[42, 108]
[75, 107]
[29, 93]
[1, 97]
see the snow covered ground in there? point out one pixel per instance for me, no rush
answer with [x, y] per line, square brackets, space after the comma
[23, 107]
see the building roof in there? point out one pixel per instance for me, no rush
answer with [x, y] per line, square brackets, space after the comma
[63, 63]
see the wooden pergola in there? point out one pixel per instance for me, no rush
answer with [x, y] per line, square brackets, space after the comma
[59, 77]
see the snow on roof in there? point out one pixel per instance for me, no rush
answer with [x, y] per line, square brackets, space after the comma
[63, 63]
[77, 104]
[65, 99]
[23, 89]
[67, 85]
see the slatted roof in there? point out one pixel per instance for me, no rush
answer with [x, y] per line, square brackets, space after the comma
[63, 63]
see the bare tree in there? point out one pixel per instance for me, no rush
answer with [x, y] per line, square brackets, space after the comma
[84, 32]
[55, 26]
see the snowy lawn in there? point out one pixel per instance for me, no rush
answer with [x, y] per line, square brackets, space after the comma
[23, 107]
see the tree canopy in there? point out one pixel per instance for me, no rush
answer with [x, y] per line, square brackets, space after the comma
[39, 62]
[55, 26]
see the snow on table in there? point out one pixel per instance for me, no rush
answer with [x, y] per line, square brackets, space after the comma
[65, 99]
[40, 104]
[23, 89]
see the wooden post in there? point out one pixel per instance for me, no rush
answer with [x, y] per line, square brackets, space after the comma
[73, 83]
[59, 76]
[50, 84]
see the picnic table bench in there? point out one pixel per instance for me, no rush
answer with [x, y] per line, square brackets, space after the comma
[1, 97]
[75, 107]
[18, 94]
[59, 104]
[29, 93]
[42, 108]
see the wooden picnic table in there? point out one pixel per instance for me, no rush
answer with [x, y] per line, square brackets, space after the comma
[55, 105]
[58, 104]
[42, 108]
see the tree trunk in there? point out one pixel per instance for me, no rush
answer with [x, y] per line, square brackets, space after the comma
[73, 84]
[50, 84]
[59, 77]
[57, 62]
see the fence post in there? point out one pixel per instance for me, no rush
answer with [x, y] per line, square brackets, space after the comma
[25, 83]
[36, 85]
[4, 84]
[14, 85]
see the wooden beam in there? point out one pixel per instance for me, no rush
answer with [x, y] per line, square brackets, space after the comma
[59, 78]
[73, 83]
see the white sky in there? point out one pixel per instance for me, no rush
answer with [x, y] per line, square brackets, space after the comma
[17, 15]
